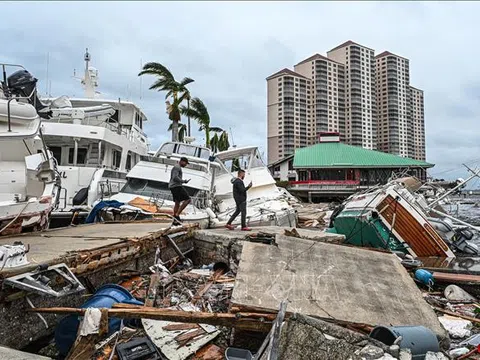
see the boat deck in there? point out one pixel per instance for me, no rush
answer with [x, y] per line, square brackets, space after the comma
[50, 245]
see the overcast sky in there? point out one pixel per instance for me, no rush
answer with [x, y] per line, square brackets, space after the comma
[230, 48]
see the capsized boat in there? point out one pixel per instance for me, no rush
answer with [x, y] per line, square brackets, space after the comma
[267, 204]
[146, 193]
[396, 217]
[29, 180]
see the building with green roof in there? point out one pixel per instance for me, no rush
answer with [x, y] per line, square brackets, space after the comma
[332, 168]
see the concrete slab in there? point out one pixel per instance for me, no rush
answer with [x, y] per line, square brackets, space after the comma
[11, 354]
[331, 281]
[227, 236]
[51, 244]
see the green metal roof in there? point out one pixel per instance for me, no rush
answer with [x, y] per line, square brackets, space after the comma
[339, 155]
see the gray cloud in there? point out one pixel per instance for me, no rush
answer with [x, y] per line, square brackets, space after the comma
[230, 48]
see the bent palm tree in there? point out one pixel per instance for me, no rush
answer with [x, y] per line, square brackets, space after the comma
[198, 111]
[176, 90]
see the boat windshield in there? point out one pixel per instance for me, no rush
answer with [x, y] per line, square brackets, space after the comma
[185, 149]
[152, 188]
[246, 161]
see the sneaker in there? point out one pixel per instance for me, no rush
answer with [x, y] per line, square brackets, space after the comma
[177, 220]
[230, 227]
[246, 229]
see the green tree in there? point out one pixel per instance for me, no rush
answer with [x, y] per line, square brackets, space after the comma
[175, 90]
[219, 143]
[198, 111]
[182, 131]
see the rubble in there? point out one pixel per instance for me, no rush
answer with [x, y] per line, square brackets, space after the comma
[457, 328]
[233, 288]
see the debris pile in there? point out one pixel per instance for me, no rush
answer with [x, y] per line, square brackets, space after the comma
[314, 215]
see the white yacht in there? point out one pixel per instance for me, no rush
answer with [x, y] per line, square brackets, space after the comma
[146, 192]
[266, 203]
[95, 143]
[29, 182]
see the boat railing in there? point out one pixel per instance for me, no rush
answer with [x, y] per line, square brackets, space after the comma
[173, 162]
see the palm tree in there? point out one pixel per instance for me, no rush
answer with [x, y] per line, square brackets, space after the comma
[182, 131]
[219, 143]
[198, 111]
[176, 90]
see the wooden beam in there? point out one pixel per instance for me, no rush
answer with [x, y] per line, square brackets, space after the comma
[216, 319]
[451, 313]
[456, 278]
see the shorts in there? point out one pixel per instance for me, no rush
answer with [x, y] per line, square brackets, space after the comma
[179, 194]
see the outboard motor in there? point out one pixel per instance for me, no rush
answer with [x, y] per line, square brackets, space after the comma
[21, 83]
[461, 243]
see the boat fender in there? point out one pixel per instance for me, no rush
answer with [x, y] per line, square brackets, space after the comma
[210, 213]
[80, 197]
[424, 276]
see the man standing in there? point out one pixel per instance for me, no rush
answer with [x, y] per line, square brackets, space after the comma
[240, 196]
[179, 194]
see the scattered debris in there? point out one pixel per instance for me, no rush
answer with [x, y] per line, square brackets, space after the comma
[457, 294]
[457, 328]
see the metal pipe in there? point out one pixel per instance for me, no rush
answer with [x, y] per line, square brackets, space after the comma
[99, 152]
[8, 115]
[75, 152]
[43, 143]
[430, 206]
[188, 106]
[4, 75]
[456, 220]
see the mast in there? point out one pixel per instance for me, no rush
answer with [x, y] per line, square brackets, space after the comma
[90, 78]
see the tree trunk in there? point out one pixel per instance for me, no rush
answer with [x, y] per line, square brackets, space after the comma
[174, 130]
[188, 106]
[207, 138]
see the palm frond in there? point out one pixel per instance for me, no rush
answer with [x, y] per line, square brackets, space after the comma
[154, 68]
[159, 84]
[215, 129]
[185, 81]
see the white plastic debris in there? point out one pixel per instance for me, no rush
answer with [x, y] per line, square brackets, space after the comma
[458, 352]
[457, 294]
[474, 340]
[91, 322]
[435, 356]
[457, 328]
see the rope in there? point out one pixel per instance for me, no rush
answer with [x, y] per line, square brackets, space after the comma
[15, 218]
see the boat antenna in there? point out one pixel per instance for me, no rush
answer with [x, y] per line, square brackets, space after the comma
[90, 77]
[46, 82]
[140, 78]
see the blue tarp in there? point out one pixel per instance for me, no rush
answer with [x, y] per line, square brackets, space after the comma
[104, 203]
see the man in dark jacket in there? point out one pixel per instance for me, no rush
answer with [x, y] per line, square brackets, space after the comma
[179, 194]
[240, 196]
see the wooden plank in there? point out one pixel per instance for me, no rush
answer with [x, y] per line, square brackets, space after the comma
[423, 241]
[217, 319]
[453, 278]
[451, 313]
[189, 335]
[176, 327]
[152, 290]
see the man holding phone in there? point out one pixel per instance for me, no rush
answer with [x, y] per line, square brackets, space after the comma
[240, 197]
[179, 194]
